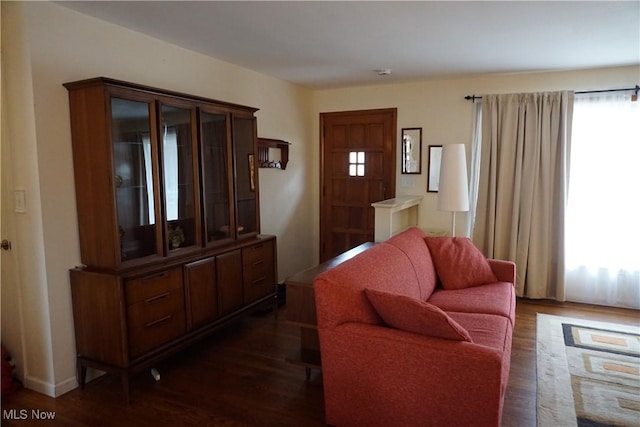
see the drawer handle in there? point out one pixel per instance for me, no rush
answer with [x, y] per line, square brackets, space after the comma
[160, 275]
[259, 279]
[257, 247]
[258, 262]
[159, 321]
[157, 298]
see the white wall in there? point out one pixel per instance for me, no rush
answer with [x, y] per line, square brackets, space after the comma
[439, 108]
[25, 308]
[60, 45]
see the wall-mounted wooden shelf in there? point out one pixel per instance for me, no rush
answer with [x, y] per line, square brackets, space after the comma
[263, 153]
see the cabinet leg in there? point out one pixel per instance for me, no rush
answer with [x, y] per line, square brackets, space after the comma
[275, 306]
[81, 373]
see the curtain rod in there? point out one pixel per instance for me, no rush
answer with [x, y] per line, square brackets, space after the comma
[635, 89]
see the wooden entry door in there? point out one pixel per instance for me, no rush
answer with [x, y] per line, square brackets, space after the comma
[358, 167]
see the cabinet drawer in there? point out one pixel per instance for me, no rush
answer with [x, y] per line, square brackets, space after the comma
[258, 271]
[258, 258]
[155, 321]
[258, 252]
[153, 286]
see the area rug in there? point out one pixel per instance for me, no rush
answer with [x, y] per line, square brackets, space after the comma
[588, 373]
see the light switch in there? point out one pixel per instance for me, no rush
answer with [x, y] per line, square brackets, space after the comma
[19, 201]
[406, 182]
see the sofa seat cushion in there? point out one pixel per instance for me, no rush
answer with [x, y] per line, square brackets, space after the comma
[497, 298]
[490, 331]
[412, 315]
[486, 329]
[459, 263]
[412, 243]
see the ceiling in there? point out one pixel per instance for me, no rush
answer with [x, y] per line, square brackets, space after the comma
[327, 44]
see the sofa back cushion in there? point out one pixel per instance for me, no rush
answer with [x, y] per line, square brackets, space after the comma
[412, 243]
[459, 263]
[339, 291]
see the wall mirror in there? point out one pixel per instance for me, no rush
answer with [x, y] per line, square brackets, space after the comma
[433, 171]
[412, 150]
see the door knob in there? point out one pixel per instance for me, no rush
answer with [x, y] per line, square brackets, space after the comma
[6, 245]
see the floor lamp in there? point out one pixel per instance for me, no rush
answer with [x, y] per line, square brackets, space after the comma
[453, 191]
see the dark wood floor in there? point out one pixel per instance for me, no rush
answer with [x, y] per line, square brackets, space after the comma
[239, 377]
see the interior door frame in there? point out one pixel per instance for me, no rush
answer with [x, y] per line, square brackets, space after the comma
[392, 181]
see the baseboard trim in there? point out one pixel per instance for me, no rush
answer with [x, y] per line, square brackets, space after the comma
[52, 390]
[40, 386]
[66, 386]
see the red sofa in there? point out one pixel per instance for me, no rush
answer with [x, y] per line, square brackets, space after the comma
[433, 351]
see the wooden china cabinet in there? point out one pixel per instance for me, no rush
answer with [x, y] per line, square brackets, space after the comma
[168, 217]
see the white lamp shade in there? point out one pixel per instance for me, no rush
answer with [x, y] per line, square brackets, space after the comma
[453, 191]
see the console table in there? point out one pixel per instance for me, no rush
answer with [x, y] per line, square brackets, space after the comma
[301, 308]
[395, 215]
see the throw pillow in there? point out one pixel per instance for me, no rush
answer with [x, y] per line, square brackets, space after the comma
[459, 263]
[412, 315]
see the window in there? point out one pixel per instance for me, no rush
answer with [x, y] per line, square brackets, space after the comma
[356, 163]
[602, 227]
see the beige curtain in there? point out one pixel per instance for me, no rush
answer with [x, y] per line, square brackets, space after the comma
[524, 172]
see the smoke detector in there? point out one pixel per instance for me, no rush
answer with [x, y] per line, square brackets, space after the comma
[383, 71]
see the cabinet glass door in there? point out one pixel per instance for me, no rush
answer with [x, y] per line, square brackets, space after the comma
[133, 178]
[176, 134]
[246, 176]
[215, 171]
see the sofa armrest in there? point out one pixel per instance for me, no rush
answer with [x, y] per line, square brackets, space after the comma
[374, 375]
[505, 271]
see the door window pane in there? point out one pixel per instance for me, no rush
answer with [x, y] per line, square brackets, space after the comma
[177, 164]
[216, 182]
[356, 163]
[133, 178]
[243, 139]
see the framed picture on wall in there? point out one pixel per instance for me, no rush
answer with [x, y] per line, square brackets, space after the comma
[433, 168]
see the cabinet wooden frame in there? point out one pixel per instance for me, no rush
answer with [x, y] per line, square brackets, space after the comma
[132, 309]
[101, 304]
[90, 105]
